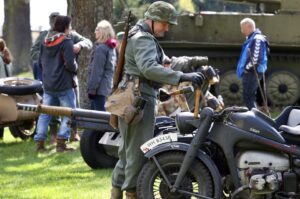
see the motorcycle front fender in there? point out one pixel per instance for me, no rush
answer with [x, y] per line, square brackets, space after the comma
[201, 155]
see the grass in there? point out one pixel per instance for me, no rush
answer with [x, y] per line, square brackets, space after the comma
[26, 174]
[28, 74]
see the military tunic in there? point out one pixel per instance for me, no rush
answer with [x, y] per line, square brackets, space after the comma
[143, 58]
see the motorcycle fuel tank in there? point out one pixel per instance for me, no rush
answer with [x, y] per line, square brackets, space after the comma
[251, 122]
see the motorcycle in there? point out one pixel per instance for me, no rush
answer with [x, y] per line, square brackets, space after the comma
[234, 153]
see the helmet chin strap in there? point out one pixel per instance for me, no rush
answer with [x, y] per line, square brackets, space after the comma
[152, 27]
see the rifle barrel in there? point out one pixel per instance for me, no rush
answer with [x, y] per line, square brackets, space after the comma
[65, 111]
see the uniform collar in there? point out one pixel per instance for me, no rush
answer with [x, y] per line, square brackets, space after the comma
[144, 26]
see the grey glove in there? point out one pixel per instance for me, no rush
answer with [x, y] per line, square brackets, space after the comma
[198, 61]
[196, 78]
[188, 64]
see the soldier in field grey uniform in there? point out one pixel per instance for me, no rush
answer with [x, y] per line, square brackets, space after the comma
[143, 60]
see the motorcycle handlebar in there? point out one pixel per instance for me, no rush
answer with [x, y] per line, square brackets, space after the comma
[226, 111]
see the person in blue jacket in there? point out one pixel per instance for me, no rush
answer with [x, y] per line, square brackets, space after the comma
[254, 56]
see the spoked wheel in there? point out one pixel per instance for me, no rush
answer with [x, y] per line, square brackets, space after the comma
[151, 184]
[24, 131]
[231, 88]
[283, 88]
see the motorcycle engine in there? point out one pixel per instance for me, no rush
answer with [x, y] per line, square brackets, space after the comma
[262, 171]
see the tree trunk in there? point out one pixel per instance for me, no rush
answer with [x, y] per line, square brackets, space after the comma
[85, 16]
[17, 33]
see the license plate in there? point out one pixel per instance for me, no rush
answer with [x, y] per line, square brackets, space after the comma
[150, 144]
[110, 138]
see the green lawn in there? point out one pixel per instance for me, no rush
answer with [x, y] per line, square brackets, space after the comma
[26, 174]
[28, 74]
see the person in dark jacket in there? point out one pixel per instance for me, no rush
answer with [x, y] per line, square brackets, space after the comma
[102, 65]
[59, 67]
[254, 56]
[79, 42]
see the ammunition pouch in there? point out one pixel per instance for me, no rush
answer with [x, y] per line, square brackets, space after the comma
[126, 101]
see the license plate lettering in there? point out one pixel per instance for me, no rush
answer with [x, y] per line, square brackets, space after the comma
[147, 146]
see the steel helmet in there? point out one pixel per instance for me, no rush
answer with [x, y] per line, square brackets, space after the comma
[162, 11]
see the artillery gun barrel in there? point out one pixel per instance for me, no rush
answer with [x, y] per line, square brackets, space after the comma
[65, 111]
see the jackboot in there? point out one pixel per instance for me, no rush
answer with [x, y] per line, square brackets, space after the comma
[61, 145]
[40, 146]
[116, 193]
[130, 195]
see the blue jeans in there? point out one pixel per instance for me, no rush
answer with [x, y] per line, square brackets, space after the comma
[97, 103]
[250, 86]
[65, 99]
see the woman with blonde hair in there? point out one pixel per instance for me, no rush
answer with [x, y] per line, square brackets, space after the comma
[101, 66]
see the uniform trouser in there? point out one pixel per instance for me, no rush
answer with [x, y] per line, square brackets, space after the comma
[131, 158]
[250, 85]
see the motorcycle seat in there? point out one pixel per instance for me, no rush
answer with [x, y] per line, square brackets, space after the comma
[186, 122]
[294, 118]
[295, 130]
[293, 123]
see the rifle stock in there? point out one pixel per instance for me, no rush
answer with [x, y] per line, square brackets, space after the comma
[121, 58]
[113, 121]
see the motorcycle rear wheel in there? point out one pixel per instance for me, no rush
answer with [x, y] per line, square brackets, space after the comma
[151, 184]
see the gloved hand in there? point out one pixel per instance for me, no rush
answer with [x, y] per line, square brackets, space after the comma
[91, 94]
[196, 78]
[163, 95]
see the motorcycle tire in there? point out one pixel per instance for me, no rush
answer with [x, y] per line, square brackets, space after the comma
[152, 185]
[94, 153]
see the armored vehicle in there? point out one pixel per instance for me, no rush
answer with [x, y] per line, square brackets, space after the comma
[218, 36]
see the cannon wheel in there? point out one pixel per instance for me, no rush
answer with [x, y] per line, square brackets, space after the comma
[94, 153]
[20, 86]
[23, 131]
[231, 88]
[283, 88]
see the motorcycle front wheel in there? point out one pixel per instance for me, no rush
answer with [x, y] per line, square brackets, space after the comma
[151, 184]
